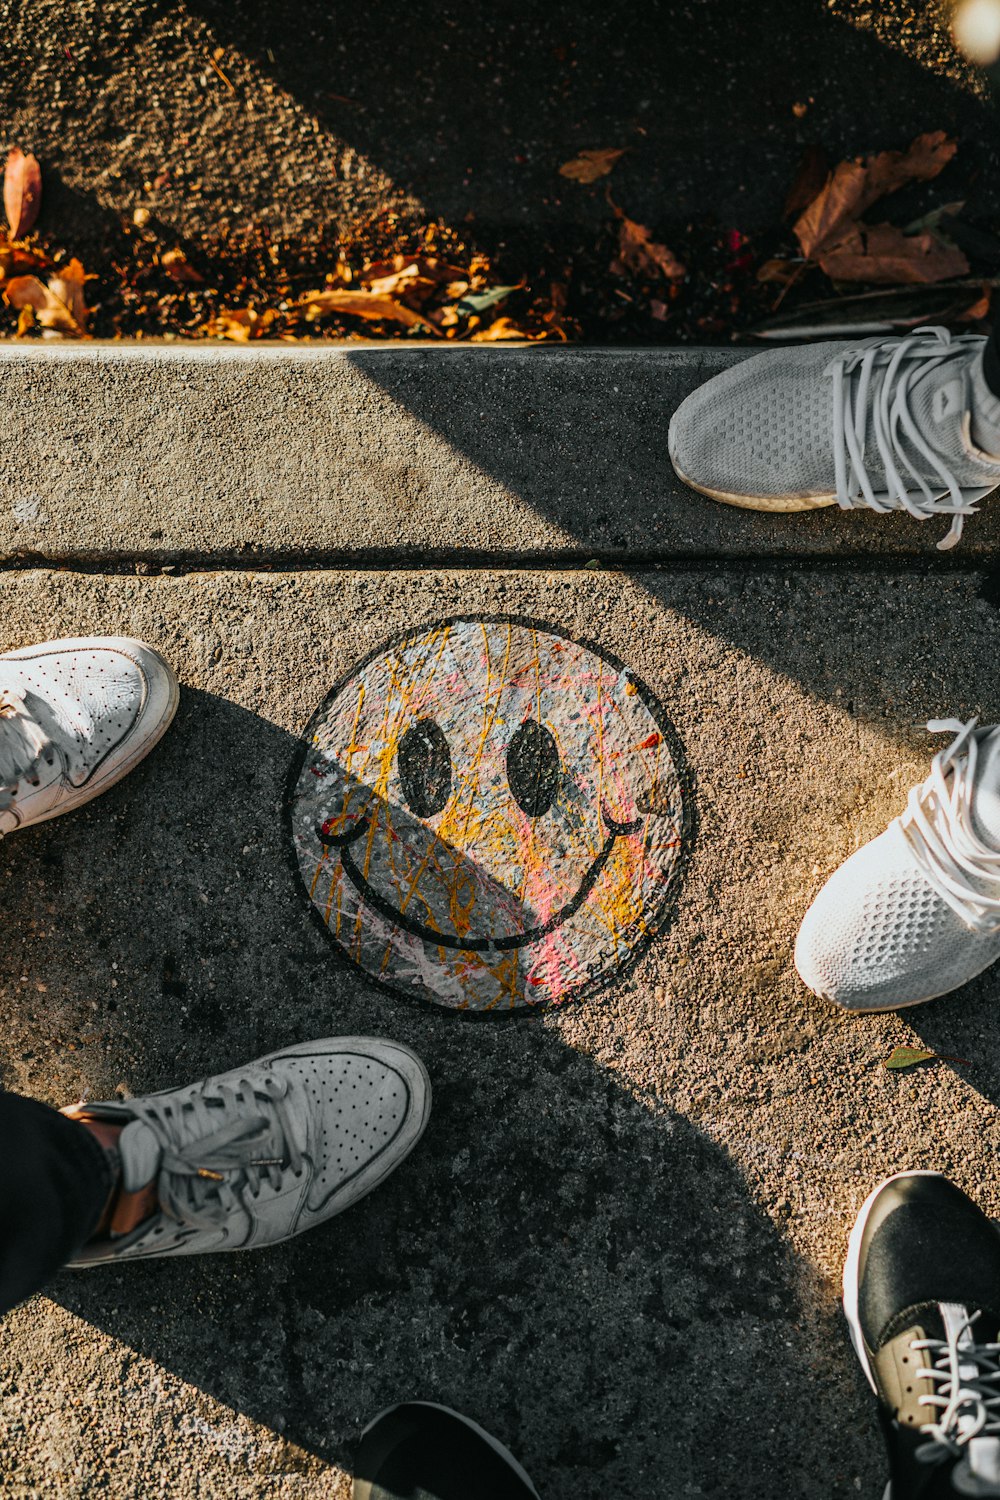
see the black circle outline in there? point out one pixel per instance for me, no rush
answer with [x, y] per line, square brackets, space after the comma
[658, 923]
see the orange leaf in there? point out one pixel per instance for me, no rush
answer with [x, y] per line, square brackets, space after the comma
[22, 192]
[503, 330]
[640, 253]
[240, 325]
[363, 305]
[590, 165]
[59, 307]
[855, 185]
[883, 254]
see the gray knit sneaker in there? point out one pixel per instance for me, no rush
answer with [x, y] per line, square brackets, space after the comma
[884, 423]
[261, 1153]
[75, 717]
[915, 913]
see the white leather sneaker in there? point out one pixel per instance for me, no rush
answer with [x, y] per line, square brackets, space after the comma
[263, 1152]
[75, 717]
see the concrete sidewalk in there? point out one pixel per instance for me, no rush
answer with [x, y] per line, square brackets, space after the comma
[619, 1244]
[383, 455]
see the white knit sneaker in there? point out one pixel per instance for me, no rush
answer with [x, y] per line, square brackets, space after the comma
[916, 912]
[75, 717]
[263, 1152]
[885, 423]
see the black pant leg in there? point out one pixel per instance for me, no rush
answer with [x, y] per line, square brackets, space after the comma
[54, 1182]
[991, 360]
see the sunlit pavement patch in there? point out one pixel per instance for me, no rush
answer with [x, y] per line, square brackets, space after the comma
[489, 814]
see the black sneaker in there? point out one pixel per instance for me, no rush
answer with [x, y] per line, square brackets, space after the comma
[419, 1451]
[922, 1297]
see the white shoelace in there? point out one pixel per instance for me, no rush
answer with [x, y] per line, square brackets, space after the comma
[873, 381]
[209, 1168]
[938, 827]
[966, 1392]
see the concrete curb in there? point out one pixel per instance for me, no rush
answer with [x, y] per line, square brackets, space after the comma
[381, 454]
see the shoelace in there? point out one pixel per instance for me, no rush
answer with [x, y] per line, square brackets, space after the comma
[874, 380]
[938, 827]
[208, 1168]
[966, 1380]
[25, 743]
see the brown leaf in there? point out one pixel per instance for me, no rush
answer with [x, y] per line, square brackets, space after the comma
[979, 309]
[407, 284]
[884, 255]
[640, 253]
[854, 186]
[782, 271]
[382, 272]
[502, 330]
[239, 324]
[589, 165]
[177, 265]
[59, 307]
[18, 260]
[812, 173]
[22, 192]
[363, 305]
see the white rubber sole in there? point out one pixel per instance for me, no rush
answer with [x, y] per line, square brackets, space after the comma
[852, 1264]
[887, 1010]
[774, 504]
[481, 1432]
[152, 731]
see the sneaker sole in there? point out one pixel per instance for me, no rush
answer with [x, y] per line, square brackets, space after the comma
[886, 1010]
[151, 736]
[776, 504]
[363, 1491]
[851, 1268]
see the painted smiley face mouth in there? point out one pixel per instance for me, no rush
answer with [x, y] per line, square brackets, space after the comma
[371, 897]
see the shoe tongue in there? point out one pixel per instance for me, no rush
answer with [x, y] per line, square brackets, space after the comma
[140, 1154]
[986, 792]
[938, 400]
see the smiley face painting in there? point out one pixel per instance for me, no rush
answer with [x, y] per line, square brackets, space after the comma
[489, 815]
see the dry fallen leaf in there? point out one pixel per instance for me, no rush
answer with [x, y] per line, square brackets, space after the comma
[59, 307]
[363, 305]
[908, 1057]
[385, 276]
[782, 271]
[22, 192]
[239, 324]
[177, 265]
[589, 165]
[640, 253]
[854, 186]
[810, 177]
[884, 255]
[503, 330]
[979, 309]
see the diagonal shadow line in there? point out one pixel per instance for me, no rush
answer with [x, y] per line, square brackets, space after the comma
[555, 1256]
[477, 130]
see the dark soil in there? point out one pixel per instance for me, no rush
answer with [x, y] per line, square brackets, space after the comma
[270, 141]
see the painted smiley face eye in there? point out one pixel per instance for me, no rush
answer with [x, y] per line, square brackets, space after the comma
[424, 762]
[533, 768]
